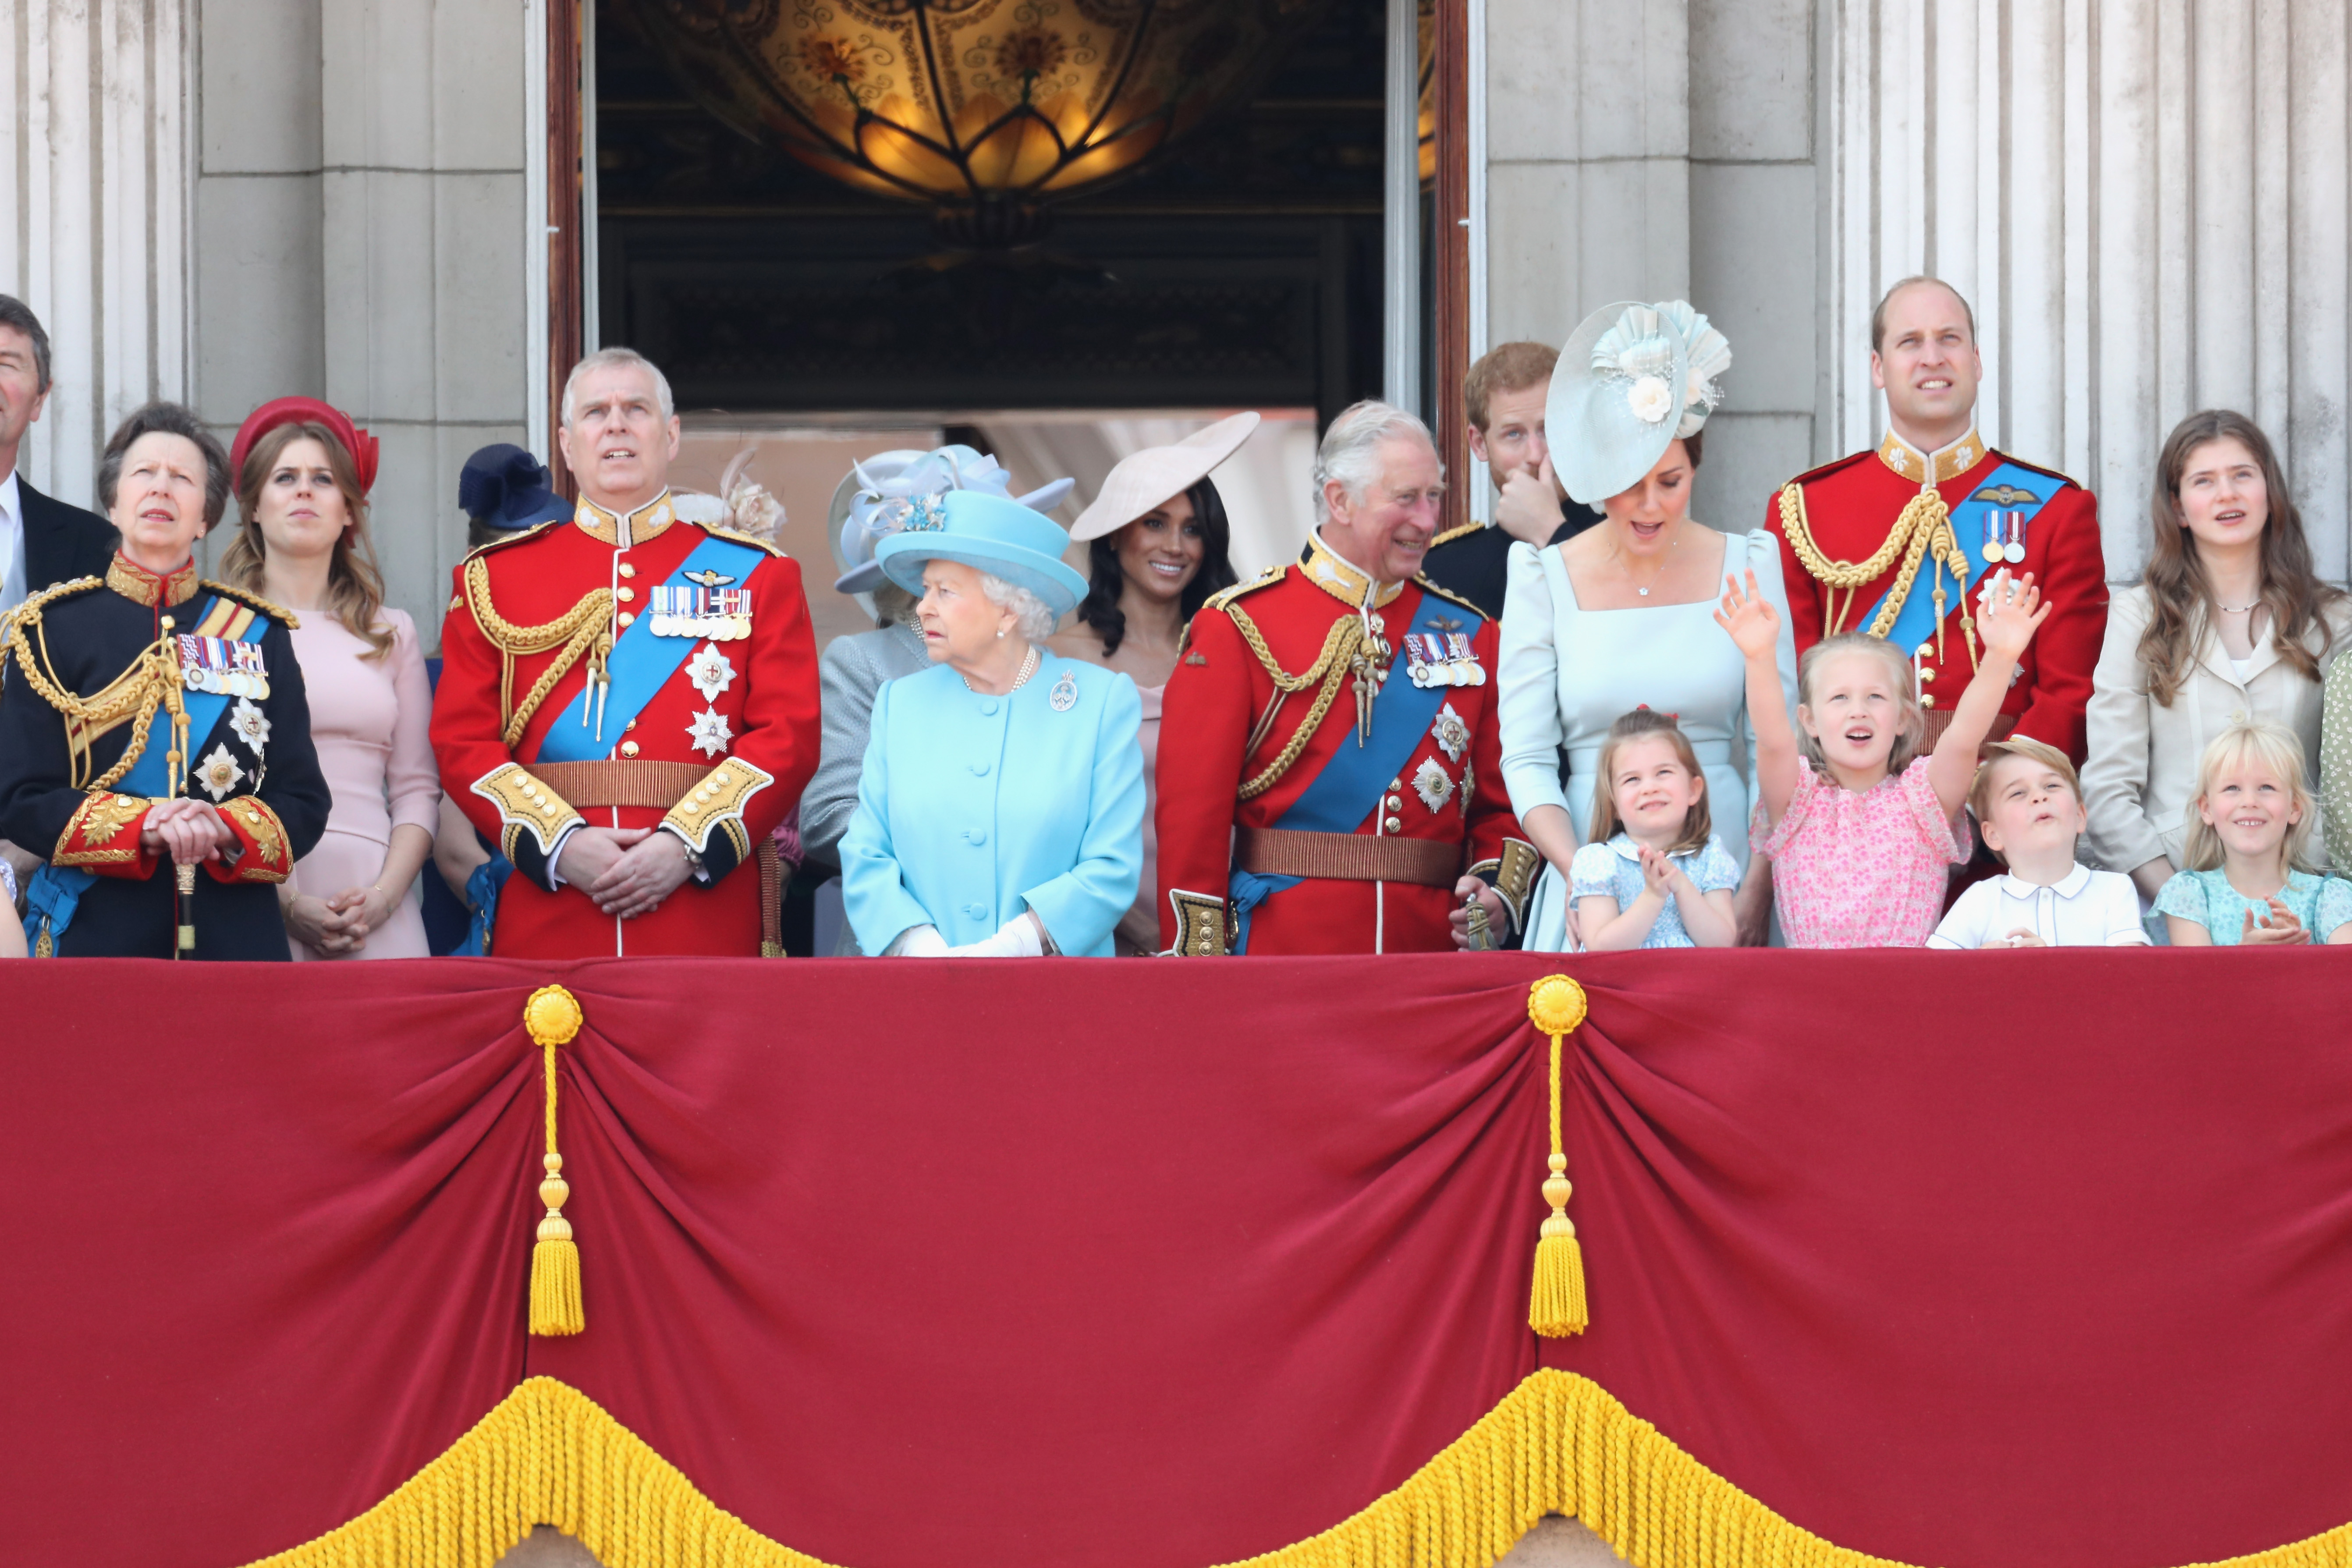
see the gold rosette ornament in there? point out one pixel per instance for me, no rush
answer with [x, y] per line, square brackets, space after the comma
[1556, 1307]
[553, 1017]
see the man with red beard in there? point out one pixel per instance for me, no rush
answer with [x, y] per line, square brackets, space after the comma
[628, 701]
[1330, 775]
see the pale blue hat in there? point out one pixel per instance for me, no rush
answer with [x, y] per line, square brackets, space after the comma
[1631, 380]
[994, 533]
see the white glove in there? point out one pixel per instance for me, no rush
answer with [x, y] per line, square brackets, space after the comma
[919, 941]
[1016, 938]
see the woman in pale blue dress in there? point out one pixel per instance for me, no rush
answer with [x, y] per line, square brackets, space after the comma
[1623, 616]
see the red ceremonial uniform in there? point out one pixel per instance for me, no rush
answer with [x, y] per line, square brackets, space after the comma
[1849, 509]
[718, 756]
[1447, 801]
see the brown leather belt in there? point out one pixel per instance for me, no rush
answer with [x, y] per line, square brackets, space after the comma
[655, 785]
[1347, 857]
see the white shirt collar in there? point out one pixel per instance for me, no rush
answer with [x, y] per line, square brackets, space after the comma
[2077, 878]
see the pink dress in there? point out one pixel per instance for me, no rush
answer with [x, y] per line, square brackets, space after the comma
[1861, 871]
[370, 719]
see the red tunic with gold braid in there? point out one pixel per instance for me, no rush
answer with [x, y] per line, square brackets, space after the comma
[1228, 770]
[1847, 511]
[716, 757]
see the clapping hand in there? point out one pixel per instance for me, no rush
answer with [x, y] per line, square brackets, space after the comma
[1658, 872]
[2281, 929]
[1748, 619]
[2013, 611]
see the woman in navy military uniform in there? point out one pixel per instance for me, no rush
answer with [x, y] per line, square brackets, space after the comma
[1001, 810]
[153, 736]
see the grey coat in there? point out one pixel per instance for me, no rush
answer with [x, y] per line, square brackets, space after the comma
[852, 670]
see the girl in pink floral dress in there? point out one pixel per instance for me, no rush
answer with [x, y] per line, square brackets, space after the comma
[1862, 833]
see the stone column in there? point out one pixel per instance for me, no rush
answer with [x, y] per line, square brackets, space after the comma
[94, 190]
[2146, 202]
[1588, 178]
[362, 211]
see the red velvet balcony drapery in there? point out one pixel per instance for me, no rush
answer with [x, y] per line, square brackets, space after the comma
[2028, 1260]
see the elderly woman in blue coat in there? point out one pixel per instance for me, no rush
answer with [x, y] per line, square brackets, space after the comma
[1001, 809]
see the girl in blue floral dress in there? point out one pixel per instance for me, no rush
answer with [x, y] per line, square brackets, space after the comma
[1652, 873]
[2247, 884]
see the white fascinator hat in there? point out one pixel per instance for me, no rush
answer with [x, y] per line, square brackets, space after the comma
[1632, 379]
[1157, 474]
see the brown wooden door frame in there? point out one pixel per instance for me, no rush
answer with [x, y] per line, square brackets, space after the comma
[567, 242]
[1451, 240]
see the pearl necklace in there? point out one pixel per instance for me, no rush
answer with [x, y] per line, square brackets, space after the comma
[1028, 669]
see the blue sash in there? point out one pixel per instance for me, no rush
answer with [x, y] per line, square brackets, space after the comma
[641, 663]
[1352, 782]
[2028, 493]
[55, 892]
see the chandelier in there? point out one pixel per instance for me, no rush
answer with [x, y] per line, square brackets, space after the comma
[984, 110]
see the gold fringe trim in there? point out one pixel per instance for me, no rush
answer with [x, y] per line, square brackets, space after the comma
[1558, 1443]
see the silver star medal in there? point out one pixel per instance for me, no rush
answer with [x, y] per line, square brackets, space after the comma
[219, 773]
[1453, 736]
[709, 731]
[250, 726]
[1431, 783]
[1065, 695]
[711, 672]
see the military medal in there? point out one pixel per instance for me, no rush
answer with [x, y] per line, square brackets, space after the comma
[222, 668]
[704, 606]
[1431, 784]
[1465, 660]
[2004, 537]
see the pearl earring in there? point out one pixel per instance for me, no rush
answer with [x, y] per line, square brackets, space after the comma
[1000, 634]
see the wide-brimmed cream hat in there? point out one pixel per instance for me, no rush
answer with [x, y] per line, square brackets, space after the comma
[1157, 474]
[1631, 379]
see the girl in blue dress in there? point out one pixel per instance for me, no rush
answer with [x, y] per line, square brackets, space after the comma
[1652, 873]
[2248, 883]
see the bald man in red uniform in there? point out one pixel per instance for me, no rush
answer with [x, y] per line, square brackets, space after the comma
[1848, 529]
[1330, 774]
[628, 702]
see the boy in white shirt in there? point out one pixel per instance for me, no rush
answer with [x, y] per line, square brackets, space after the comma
[2029, 806]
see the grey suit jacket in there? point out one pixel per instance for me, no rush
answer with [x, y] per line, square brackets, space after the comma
[852, 670]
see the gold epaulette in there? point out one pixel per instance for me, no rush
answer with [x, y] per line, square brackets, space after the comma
[753, 540]
[516, 537]
[1427, 586]
[1266, 579]
[279, 613]
[1451, 534]
[26, 617]
[29, 612]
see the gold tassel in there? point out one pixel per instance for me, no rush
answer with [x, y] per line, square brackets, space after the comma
[1556, 1304]
[552, 1015]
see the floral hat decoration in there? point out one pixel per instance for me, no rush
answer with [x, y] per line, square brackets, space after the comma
[892, 492]
[1632, 379]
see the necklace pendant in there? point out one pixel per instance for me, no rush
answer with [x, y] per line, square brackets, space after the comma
[1644, 592]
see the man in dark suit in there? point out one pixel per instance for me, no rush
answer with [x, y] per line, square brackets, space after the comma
[1504, 394]
[41, 540]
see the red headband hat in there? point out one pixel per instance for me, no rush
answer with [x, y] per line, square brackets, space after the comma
[306, 411]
